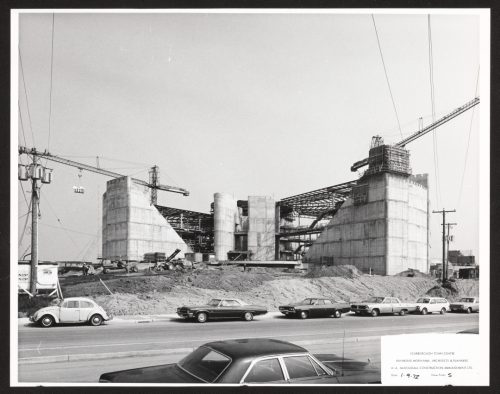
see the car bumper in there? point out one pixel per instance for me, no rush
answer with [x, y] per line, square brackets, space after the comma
[361, 311]
[32, 319]
[457, 309]
[185, 315]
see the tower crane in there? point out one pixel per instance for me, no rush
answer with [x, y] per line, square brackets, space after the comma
[154, 178]
[401, 144]
[35, 172]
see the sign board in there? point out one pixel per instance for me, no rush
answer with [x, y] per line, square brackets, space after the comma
[46, 276]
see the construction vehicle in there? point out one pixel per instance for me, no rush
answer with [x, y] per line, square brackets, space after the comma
[162, 263]
[119, 265]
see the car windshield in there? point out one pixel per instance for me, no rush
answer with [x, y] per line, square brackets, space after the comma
[307, 301]
[205, 363]
[467, 299]
[375, 299]
[56, 302]
[213, 302]
[423, 301]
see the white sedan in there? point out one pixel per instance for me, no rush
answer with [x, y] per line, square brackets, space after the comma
[71, 310]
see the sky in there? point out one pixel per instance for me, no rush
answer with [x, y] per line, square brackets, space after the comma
[248, 104]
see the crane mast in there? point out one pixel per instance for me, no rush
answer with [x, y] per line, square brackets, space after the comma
[425, 130]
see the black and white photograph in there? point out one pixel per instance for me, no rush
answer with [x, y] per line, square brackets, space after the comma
[248, 197]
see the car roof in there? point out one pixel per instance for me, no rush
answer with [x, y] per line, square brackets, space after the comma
[254, 347]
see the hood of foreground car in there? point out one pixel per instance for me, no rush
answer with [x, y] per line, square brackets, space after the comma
[168, 373]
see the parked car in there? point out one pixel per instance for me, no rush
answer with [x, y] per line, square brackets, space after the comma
[427, 305]
[466, 304]
[242, 361]
[315, 307]
[221, 308]
[71, 310]
[375, 306]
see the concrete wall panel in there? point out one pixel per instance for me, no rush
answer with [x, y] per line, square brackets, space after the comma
[133, 227]
[388, 234]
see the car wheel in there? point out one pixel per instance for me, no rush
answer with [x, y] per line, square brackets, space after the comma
[202, 317]
[442, 311]
[248, 316]
[96, 320]
[469, 310]
[402, 312]
[424, 311]
[337, 314]
[46, 321]
[374, 312]
[303, 315]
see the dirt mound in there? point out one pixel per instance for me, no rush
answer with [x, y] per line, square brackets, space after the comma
[230, 281]
[345, 271]
[160, 293]
[126, 284]
[452, 291]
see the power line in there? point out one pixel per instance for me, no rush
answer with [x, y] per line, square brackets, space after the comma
[468, 144]
[26, 95]
[386, 77]
[24, 228]
[431, 82]
[68, 229]
[51, 73]
[22, 125]
[24, 195]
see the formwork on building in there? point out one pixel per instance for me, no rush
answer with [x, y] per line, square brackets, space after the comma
[387, 158]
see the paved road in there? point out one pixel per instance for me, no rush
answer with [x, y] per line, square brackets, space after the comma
[175, 338]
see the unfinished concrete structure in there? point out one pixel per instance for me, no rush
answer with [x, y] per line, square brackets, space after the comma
[379, 223]
[244, 229]
[383, 226]
[131, 226]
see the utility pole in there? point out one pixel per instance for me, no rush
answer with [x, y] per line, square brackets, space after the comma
[448, 244]
[444, 212]
[34, 172]
[35, 199]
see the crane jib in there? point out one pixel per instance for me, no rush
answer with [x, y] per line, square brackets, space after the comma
[46, 155]
[401, 144]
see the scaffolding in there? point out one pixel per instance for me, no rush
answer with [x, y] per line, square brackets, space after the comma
[317, 202]
[386, 158]
[195, 228]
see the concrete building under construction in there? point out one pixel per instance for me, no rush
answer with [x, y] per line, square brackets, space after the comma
[379, 223]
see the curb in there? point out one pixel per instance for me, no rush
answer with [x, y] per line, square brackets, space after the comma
[137, 353]
[100, 356]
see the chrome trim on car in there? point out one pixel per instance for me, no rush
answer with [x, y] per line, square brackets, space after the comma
[281, 360]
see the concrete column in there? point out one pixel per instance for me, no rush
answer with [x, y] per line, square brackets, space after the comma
[225, 210]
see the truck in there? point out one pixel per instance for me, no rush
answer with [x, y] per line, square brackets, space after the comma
[376, 306]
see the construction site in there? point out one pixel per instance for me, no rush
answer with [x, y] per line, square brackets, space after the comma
[354, 239]
[358, 232]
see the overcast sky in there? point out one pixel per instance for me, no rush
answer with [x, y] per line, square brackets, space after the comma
[249, 104]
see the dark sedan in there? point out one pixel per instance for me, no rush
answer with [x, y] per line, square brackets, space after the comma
[315, 307]
[229, 308]
[241, 361]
